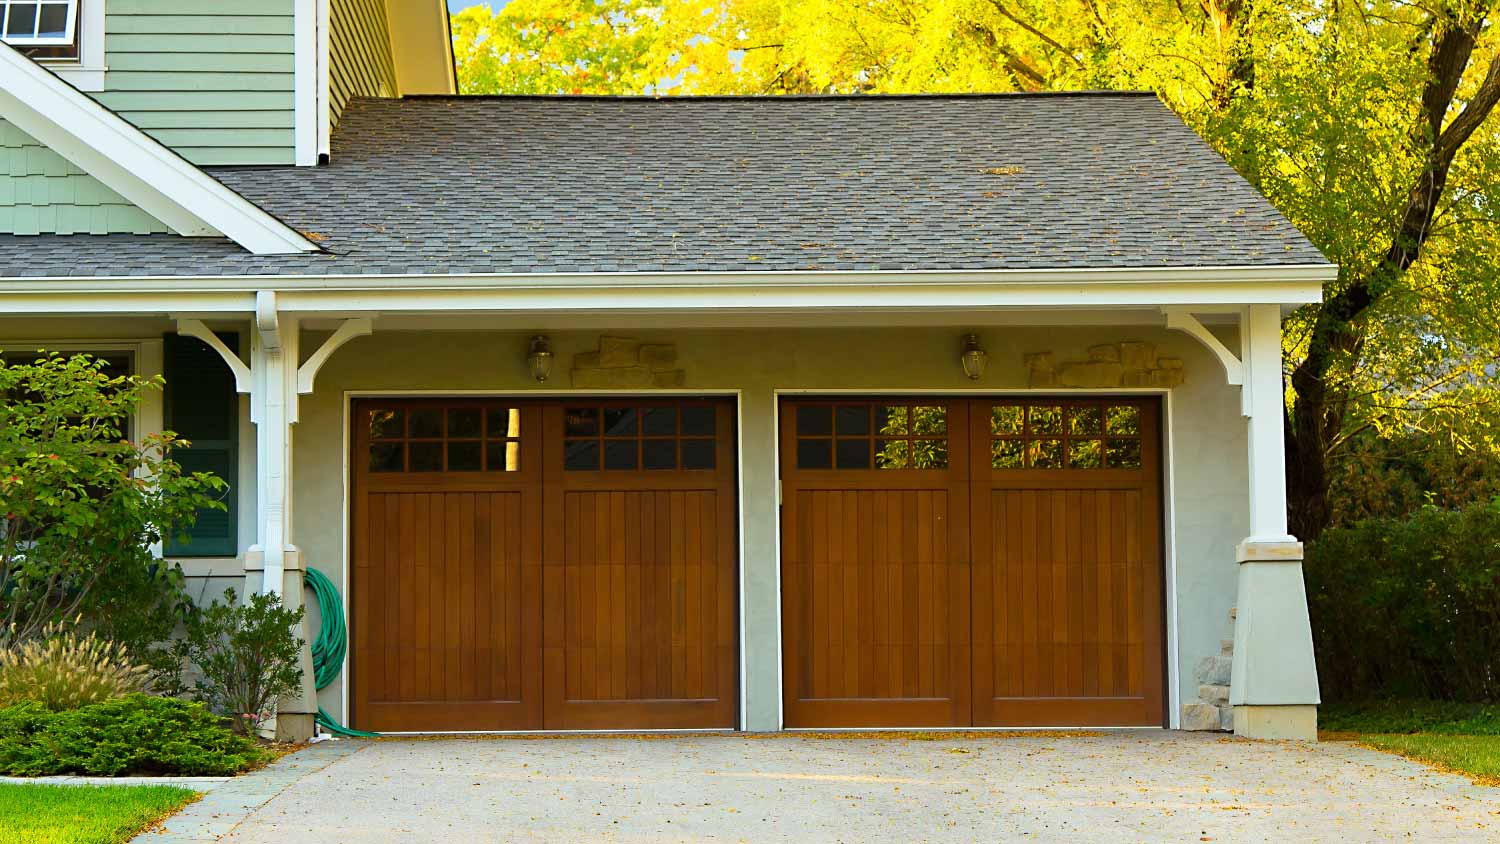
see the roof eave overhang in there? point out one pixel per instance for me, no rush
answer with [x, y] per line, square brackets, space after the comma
[133, 164]
[1286, 285]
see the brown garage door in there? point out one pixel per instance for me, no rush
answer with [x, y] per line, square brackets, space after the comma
[971, 562]
[543, 565]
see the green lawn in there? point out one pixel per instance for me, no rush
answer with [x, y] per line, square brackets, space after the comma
[64, 814]
[1460, 737]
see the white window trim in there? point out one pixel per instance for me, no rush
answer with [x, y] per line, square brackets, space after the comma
[86, 73]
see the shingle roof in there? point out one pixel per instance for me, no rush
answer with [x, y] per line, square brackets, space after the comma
[455, 185]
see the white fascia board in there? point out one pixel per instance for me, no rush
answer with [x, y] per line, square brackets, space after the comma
[686, 293]
[1305, 279]
[134, 165]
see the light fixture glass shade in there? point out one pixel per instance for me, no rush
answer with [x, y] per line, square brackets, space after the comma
[539, 357]
[974, 358]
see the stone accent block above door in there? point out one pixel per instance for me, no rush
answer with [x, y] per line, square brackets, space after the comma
[623, 363]
[1125, 364]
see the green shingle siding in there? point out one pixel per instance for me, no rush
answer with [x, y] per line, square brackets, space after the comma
[40, 191]
[216, 84]
[359, 54]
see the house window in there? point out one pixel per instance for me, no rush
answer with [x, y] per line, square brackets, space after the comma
[41, 28]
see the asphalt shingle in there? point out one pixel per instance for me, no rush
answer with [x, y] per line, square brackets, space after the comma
[460, 185]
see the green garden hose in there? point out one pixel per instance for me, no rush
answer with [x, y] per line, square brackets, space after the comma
[329, 645]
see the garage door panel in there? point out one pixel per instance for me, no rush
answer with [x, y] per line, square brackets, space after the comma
[446, 596]
[1067, 597]
[874, 576]
[643, 617]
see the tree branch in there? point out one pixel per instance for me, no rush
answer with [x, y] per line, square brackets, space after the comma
[1005, 12]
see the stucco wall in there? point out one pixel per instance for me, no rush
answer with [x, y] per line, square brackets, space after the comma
[1206, 443]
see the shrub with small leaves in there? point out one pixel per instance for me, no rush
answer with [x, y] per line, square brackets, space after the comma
[64, 670]
[246, 655]
[135, 734]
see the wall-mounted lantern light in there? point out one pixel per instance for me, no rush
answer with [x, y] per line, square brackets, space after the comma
[973, 357]
[539, 357]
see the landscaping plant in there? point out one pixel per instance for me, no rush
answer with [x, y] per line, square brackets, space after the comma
[246, 655]
[135, 734]
[82, 505]
[66, 670]
[1409, 608]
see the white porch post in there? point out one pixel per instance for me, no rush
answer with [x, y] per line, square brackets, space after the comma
[273, 409]
[1274, 680]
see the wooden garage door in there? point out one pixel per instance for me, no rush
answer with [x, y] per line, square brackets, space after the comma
[529, 565]
[971, 562]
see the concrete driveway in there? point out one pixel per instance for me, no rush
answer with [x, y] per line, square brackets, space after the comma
[1110, 787]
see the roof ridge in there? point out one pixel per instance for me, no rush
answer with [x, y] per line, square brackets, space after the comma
[654, 98]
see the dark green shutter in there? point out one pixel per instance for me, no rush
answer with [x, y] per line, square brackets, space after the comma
[203, 408]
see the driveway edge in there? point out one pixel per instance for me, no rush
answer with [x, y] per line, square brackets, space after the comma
[227, 805]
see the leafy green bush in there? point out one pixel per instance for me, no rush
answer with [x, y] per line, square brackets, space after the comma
[1411, 716]
[1409, 608]
[83, 505]
[246, 654]
[66, 670]
[135, 734]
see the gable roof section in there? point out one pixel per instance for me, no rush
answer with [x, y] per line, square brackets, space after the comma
[134, 165]
[526, 185]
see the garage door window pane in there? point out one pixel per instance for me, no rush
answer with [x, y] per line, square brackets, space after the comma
[1008, 420]
[929, 420]
[503, 422]
[929, 454]
[1085, 421]
[659, 454]
[581, 422]
[1045, 420]
[1008, 454]
[659, 421]
[502, 456]
[426, 424]
[387, 423]
[1046, 454]
[854, 454]
[464, 457]
[620, 455]
[581, 455]
[425, 457]
[1085, 454]
[697, 454]
[854, 421]
[619, 422]
[386, 457]
[697, 421]
[890, 454]
[814, 454]
[464, 423]
[814, 421]
[1124, 419]
[891, 420]
[1124, 454]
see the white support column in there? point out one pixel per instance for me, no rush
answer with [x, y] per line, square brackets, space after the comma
[1274, 680]
[273, 368]
[274, 381]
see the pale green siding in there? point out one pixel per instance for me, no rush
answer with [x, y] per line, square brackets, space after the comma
[40, 191]
[215, 84]
[359, 54]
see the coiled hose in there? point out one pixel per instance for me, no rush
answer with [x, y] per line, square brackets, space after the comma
[329, 645]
